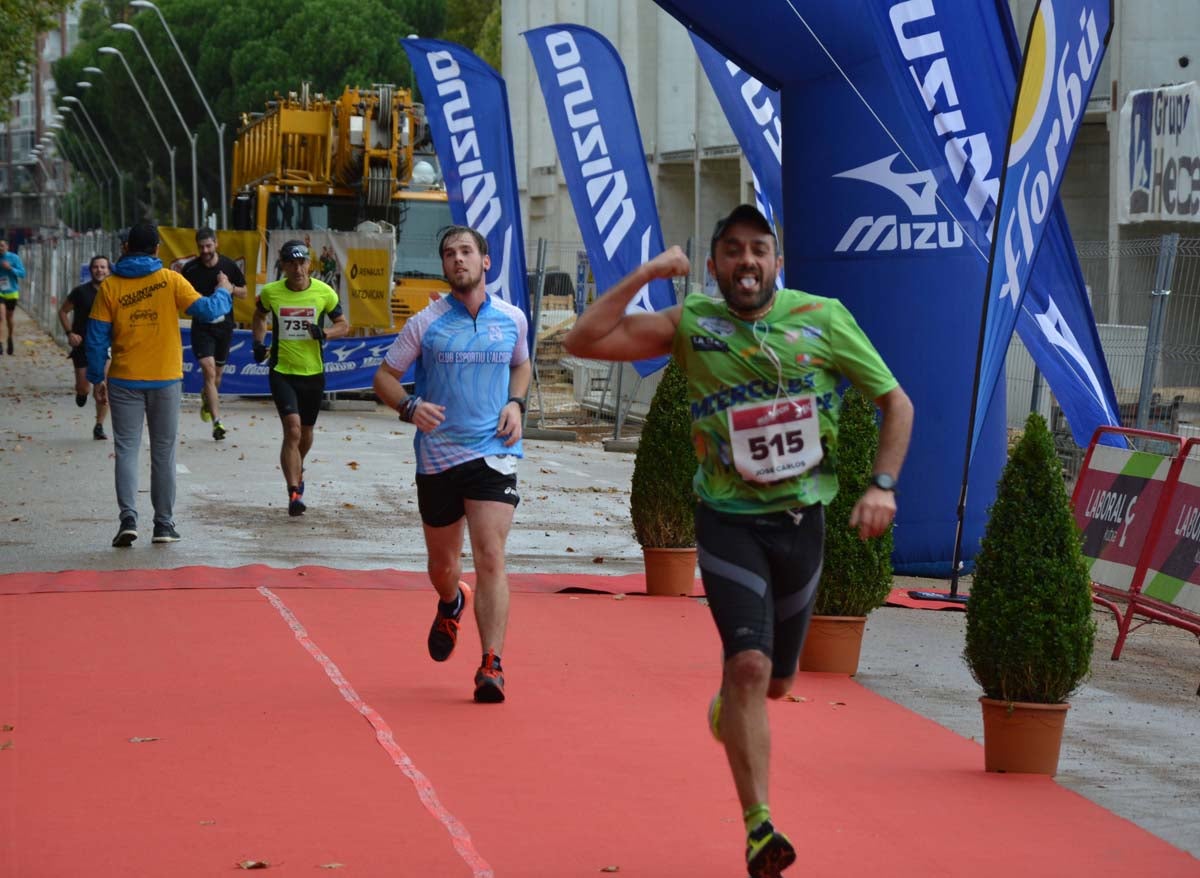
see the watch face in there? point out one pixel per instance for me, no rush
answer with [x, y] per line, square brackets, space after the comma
[883, 481]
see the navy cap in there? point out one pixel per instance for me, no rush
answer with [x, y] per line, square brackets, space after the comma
[293, 250]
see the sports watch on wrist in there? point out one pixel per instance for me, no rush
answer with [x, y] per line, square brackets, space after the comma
[883, 482]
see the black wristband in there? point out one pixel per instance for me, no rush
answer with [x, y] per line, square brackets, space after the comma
[519, 400]
[408, 407]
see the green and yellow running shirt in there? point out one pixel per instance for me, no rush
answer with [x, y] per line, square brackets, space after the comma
[293, 350]
[763, 397]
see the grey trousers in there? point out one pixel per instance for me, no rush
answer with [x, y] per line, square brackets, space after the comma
[159, 409]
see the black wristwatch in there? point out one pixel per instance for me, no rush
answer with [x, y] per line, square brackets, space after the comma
[519, 400]
[883, 482]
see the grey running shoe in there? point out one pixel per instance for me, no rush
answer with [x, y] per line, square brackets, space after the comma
[126, 534]
[165, 533]
[489, 681]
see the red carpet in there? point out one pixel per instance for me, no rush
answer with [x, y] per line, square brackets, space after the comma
[306, 727]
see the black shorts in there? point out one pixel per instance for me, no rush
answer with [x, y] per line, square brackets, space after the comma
[440, 496]
[78, 356]
[212, 340]
[760, 575]
[298, 395]
[10, 304]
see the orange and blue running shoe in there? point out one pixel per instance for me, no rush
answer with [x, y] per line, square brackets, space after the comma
[489, 681]
[443, 635]
[768, 852]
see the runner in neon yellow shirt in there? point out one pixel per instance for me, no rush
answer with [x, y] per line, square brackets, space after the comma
[297, 306]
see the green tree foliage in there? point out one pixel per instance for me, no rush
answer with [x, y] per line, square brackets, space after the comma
[1029, 619]
[427, 17]
[465, 20]
[24, 21]
[487, 45]
[242, 54]
[661, 500]
[857, 576]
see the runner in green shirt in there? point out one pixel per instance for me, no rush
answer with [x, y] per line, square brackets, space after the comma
[297, 306]
[763, 367]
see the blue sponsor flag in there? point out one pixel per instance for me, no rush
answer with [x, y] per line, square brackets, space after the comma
[600, 148]
[467, 107]
[961, 128]
[753, 113]
[1066, 42]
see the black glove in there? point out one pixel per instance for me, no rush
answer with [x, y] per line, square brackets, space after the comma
[260, 352]
[316, 331]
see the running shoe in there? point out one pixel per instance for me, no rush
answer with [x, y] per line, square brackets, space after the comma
[165, 533]
[444, 633]
[126, 534]
[296, 505]
[98, 433]
[81, 399]
[300, 487]
[218, 430]
[489, 681]
[768, 852]
[10, 346]
[205, 414]
[714, 717]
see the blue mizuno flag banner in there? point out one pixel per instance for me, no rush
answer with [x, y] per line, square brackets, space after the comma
[600, 147]
[1062, 57]
[961, 132]
[753, 113]
[467, 107]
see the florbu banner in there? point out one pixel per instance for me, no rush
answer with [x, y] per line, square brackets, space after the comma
[1158, 161]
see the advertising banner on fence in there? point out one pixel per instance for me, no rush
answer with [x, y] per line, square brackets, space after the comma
[1158, 155]
[356, 264]
[1115, 499]
[350, 364]
[603, 160]
[467, 106]
[177, 247]
[1173, 574]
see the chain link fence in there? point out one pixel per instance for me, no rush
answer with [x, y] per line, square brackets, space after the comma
[56, 265]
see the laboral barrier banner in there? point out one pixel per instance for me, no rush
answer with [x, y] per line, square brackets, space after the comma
[1173, 573]
[1158, 155]
[356, 264]
[1115, 500]
[177, 247]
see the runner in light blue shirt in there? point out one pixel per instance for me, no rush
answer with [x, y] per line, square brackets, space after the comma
[11, 271]
[471, 352]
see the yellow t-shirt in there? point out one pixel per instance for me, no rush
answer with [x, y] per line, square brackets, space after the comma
[144, 313]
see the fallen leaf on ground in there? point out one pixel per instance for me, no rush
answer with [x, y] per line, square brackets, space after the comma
[6, 745]
[333, 865]
[791, 697]
[838, 703]
[348, 506]
[599, 559]
[618, 597]
[611, 869]
[254, 864]
[569, 549]
[353, 464]
[141, 740]
[7, 728]
[208, 823]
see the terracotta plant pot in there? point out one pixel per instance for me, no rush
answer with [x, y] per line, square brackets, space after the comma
[833, 644]
[1022, 737]
[670, 571]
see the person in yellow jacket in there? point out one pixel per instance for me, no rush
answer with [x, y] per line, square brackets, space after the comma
[136, 313]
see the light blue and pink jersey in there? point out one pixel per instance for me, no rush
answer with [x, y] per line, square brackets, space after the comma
[464, 364]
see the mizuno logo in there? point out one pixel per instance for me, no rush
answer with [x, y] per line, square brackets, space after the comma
[607, 190]
[343, 353]
[918, 191]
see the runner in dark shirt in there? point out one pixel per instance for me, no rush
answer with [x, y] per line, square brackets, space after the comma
[73, 315]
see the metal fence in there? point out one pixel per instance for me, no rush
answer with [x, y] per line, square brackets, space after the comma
[54, 266]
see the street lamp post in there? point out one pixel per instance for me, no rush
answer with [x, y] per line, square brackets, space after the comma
[79, 161]
[220, 126]
[109, 50]
[76, 102]
[122, 26]
[90, 153]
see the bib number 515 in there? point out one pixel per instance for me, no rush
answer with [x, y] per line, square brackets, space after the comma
[790, 442]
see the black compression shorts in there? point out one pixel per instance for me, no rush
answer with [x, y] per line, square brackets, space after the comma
[440, 496]
[212, 340]
[298, 395]
[760, 575]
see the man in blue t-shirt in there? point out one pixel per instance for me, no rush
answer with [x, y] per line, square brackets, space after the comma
[472, 374]
[11, 272]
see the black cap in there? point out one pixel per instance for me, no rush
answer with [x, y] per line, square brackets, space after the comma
[743, 213]
[293, 250]
[142, 238]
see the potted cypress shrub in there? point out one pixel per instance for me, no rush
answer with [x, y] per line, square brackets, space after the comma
[857, 574]
[1029, 617]
[662, 503]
